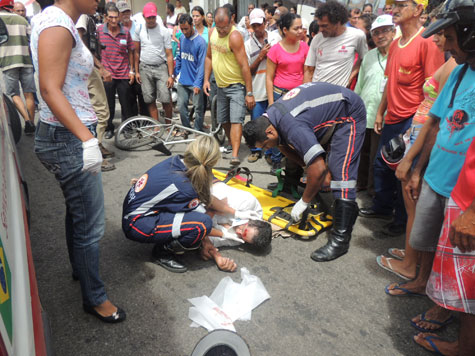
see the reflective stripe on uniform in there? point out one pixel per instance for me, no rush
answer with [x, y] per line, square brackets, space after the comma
[165, 193]
[177, 224]
[331, 98]
[342, 184]
[312, 152]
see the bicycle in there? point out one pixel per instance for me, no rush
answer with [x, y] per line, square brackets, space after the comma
[140, 131]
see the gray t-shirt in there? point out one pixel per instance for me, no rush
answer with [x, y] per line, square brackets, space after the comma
[333, 57]
[153, 42]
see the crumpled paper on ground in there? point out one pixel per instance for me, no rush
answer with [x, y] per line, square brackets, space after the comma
[230, 301]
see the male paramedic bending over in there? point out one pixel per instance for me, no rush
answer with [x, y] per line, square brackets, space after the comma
[300, 123]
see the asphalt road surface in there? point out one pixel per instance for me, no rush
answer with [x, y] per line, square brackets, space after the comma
[333, 308]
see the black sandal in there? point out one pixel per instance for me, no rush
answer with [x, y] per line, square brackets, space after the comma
[117, 317]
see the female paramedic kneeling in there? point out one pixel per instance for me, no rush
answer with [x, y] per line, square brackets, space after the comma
[66, 146]
[164, 206]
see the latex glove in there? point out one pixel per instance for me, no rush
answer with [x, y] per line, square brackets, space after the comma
[229, 235]
[247, 215]
[91, 156]
[298, 210]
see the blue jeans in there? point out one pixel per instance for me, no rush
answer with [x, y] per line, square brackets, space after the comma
[387, 188]
[259, 109]
[184, 92]
[61, 153]
[275, 154]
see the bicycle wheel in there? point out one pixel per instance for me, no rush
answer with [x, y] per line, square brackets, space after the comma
[219, 134]
[138, 131]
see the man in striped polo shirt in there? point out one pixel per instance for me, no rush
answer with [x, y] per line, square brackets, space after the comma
[118, 59]
[16, 65]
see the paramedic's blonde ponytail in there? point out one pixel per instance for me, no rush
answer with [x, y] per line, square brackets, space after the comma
[200, 157]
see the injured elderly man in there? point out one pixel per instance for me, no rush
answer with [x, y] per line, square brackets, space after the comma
[227, 229]
[231, 231]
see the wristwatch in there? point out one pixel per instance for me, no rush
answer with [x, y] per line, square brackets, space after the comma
[249, 93]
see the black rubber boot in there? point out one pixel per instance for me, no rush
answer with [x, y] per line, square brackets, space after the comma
[344, 217]
[325, 201]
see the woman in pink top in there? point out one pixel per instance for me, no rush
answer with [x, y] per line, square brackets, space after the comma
[285, 61]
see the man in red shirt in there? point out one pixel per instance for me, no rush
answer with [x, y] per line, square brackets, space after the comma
[118, 59]
[411, 60]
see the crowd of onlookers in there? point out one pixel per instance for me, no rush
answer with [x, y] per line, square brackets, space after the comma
[415, 96]
[139, 63]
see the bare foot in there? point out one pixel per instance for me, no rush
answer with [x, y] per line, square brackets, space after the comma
[106, 309]
[398, 267]
[436, 313]
[396, 288]
[445, 348]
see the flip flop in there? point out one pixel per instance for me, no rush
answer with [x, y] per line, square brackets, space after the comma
[430, 339]
[389, 267]
[235, 161]
[407, 292]
[392, 253]
[441, 324]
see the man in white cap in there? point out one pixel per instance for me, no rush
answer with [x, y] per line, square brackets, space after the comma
[370, 88]
[257, 47]
[412, 59]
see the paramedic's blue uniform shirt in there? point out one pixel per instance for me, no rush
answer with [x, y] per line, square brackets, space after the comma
[164, 187]
[310, 109]
[161, 207]
[303, 116]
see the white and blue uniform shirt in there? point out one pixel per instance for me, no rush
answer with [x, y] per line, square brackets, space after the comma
[165, 187]
[304, 114]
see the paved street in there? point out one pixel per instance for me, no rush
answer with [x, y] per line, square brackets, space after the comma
[336, 308]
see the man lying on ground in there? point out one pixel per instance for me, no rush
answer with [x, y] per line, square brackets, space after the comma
[228, 227]
[231, 231]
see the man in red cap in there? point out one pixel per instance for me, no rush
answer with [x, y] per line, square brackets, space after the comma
[154, 62]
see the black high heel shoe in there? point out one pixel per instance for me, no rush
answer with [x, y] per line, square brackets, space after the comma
[117, 317]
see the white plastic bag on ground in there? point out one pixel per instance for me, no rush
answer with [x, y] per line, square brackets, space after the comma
[207, 314]
[229, 301]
